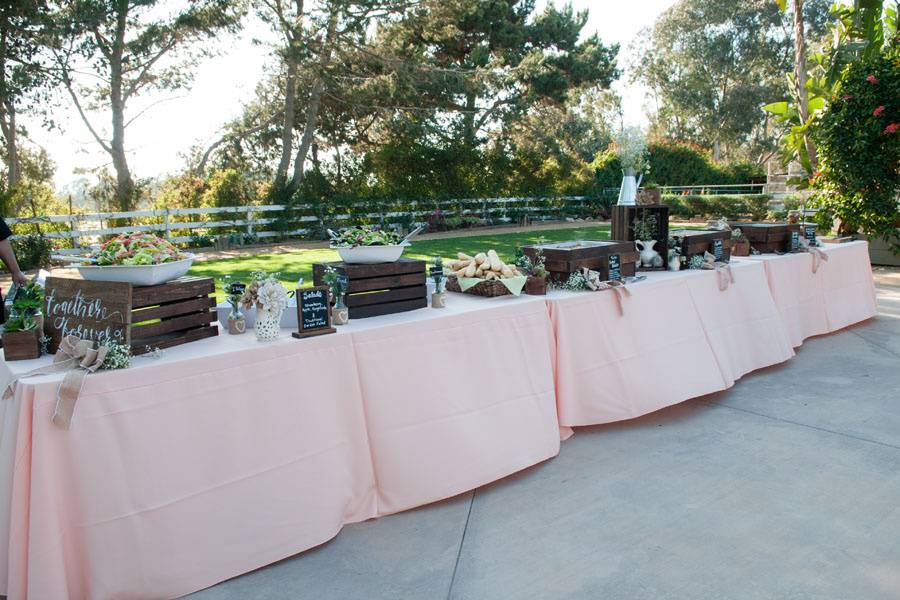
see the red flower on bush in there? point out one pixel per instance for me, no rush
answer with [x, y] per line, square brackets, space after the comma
[817, 174]
[846, 97]
[878, 111]
[872, 79]
[890, 129]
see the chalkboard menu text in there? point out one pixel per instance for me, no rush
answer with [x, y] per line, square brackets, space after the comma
[795, 240]
[718, 247]
[313, 312]
[810, 233]
[615, 267]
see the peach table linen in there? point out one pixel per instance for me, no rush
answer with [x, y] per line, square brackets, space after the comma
[229, 454]
[840, 293]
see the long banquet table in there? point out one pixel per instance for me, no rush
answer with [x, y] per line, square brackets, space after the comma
[228, 454]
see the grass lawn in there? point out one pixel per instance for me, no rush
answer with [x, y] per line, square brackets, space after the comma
[298, 263]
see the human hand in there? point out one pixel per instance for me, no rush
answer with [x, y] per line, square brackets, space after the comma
[19, 278]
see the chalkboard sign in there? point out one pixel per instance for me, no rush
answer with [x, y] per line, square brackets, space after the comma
[795, 240]
[615, 267]
[313, 312]
[99, 311]
[810, 232]
[717, 249]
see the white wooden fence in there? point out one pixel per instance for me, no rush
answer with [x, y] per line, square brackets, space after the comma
[84, 229]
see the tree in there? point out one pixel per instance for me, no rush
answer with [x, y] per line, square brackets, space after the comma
[129, 47]
[711, 66]
[22, 77]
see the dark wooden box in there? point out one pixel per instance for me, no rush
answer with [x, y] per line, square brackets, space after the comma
[380, 289]
[699, 241]
[623, 229]
[564, 258]
[768, 237]
[172, 313]
[22, 345]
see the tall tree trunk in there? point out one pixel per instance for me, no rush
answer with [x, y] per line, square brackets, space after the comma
[315, 101]
[8, 125]
[287, 127]
[469, 121]
[124, 181]
[800, 76]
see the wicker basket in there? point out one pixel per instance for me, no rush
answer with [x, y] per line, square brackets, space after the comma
[489, 289]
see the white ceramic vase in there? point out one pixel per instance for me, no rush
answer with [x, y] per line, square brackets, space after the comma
[648, 254]
[268, 324]
[630, 183]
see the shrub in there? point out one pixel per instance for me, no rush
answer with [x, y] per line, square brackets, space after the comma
[754, 207]
[32, 251]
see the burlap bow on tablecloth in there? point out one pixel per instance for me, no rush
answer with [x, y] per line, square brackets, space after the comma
[78, 357]
[722, 269]
[818, 256]
[594, 283]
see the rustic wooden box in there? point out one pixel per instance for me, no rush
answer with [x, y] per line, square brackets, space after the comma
[699, 241]
[22, 345]
[623, 229]
[172, 313]
[769, 237]
[564, 258]
[380, 289]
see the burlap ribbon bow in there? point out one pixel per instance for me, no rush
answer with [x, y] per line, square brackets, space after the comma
[818, 256]
[78, 357]
[594, 283]
[722, 269]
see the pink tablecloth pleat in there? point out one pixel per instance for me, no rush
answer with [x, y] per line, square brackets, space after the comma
[611, 367]
[460, 401]
[177, 476]
[742, 323]
[839, 294]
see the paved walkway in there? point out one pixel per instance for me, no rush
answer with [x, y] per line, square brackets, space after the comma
[786, 486]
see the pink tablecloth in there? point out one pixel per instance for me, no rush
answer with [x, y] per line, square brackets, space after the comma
[176, 476]
[839, 294]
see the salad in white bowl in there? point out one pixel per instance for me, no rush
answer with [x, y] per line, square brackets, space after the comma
[136, 258]
[368, 245]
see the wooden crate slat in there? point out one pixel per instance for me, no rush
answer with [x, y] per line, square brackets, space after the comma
[172, 309]
[173, 324]
[179, 289]
[401, 267]
[386, 283]
[376, 310]
[163, 342]
[408, 293]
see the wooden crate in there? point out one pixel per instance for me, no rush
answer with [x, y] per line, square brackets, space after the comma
[623, 230]
[769, 237]
[564, 258]
[22, 345]
[380, 289]
[173, 313]
[698, 241]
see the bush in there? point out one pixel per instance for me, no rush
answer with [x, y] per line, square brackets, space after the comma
[730, 206]
[33, 251]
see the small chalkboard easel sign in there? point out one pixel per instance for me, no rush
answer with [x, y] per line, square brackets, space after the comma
[718, 249]
[313, 312]
[615, 267]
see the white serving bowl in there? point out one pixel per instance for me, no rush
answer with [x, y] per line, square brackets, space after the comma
[139, 275]
[370, 255]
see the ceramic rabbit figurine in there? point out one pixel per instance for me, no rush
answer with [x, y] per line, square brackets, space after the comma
[649, 256]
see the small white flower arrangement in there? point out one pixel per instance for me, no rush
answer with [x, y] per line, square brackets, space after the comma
[272, 296]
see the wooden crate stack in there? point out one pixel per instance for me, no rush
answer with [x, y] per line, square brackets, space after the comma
[622, 227]
[380, 289]
[173, 313]
[769, 238]
[564, 258]
[696, 242]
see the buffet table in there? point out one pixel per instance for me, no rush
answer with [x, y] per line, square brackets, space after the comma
[228, 454]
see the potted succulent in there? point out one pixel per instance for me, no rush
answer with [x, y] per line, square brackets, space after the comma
[21, 338]
[438, 297]
[28, 300]
[649, 194]
[536, 270]
[740, 245]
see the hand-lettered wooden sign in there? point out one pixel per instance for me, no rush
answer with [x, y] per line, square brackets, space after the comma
[615, 267]
[92, 310]
[313, 312]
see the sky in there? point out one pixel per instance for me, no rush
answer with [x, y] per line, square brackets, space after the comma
[173, 123]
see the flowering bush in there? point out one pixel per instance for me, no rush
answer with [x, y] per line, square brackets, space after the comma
[858, 176]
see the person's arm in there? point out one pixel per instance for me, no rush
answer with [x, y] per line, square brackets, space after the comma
[8, 256]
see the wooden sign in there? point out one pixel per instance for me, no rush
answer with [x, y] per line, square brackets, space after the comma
[313, 312]
[718, 248]
[615, 267]
[92, 310]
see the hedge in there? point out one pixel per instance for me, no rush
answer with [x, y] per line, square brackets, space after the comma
[731, 206]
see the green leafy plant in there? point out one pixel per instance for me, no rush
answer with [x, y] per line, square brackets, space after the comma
[437, 274]
[645, 228]
[19, 322]
[29, 299]
[695, 262]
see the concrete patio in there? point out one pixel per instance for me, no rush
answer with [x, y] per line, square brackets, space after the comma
[786, 486]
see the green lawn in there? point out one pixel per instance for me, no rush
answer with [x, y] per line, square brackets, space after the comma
[298, 263]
